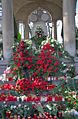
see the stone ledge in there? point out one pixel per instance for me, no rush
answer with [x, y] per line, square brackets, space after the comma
[3, 65]
[76, 59]
[4, 62]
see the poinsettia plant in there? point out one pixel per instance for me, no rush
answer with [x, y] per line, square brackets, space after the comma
[47, 64]
[43, 62]
[30, 67]
[22, 60]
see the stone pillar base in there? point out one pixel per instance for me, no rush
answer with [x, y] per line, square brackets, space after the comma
[76, 65]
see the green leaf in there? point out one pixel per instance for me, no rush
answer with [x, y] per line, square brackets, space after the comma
[19, 37]
[40, 108]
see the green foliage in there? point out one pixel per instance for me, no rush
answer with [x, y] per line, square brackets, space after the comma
[19, 37]
[65, 71]
[40, 109]
[38, 40]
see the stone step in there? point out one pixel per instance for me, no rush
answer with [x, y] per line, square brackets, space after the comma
[3, 66]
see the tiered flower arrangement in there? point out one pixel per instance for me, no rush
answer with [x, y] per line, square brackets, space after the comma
[32, 72]
[47, 63]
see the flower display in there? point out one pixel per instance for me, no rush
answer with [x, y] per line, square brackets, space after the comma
[47, 63]
[36, 81]
[44, 62]
[26, 85]
[7, 87]
[22, 59]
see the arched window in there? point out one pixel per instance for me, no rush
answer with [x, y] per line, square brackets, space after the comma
[41, 18]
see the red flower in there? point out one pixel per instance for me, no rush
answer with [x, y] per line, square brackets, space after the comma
[8, 114]
[56, 70]
[7, 87]
[10, 78]
[22, 54]
[56, 63]
[59, 53]
[22, 44]
[11, 98]
[2, 97]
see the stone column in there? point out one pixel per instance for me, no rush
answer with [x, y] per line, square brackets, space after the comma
[7, 27]
[69, 26]
[54, 29]
[26, 31]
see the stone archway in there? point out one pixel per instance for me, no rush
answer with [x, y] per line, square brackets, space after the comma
[40, 18]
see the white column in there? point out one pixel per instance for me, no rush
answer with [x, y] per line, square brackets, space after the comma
[54, 29]
[69, 26]
[8, 28]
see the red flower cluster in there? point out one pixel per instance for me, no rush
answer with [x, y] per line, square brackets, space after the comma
[47, 98]
[2, 96]
[7, 87]
[43, 85]
[9, 97]
[43, 64]
[47, 63]
[23, 85]
[33, 98]
[8, 114]
[22, 56]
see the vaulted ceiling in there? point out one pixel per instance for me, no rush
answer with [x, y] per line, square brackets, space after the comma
[23, 8]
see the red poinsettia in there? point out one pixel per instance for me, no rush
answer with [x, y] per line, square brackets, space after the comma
[26, 85]
[47, 63]
[23, 57]
[7, 87]
[23, 85]
[2, 97]
[9, 97]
